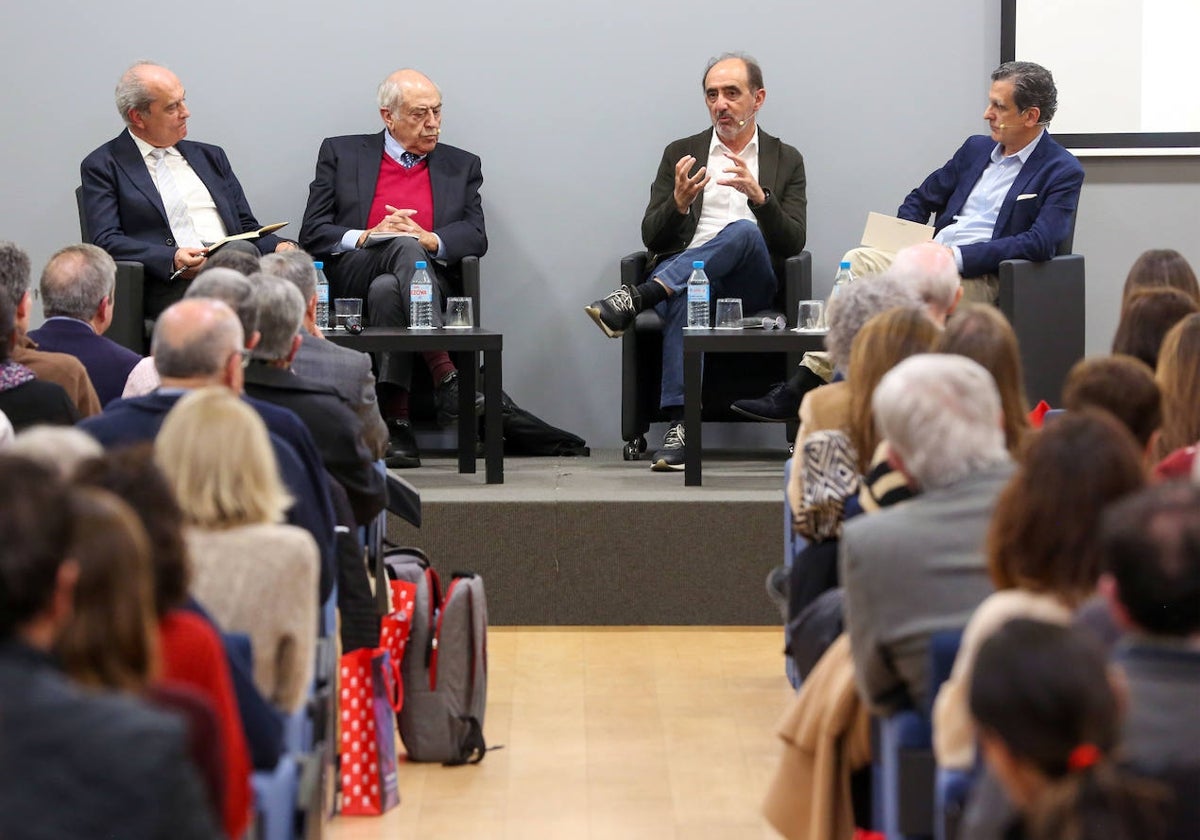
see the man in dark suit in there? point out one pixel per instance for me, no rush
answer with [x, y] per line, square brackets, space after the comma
[150, 195]
[742, 212]
[77, 299]
[918, 567]
[401, 183]
[74, 763]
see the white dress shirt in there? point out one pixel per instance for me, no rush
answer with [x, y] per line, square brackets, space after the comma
[201, 207]
[723, 205]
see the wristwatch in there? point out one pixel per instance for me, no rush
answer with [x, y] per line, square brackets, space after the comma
[766, 198]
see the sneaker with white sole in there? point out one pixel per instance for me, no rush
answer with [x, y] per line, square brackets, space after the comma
[673, 452]
[615, 312]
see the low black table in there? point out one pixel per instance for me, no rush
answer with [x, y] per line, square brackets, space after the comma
[461, 345]
[698, 342]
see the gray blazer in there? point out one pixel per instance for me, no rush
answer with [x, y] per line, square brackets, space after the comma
[910, 571]
[349, 373]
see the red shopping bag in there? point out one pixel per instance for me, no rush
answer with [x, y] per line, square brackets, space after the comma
[395, 628]
[368, 699]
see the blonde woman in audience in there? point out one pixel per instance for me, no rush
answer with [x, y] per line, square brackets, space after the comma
[983, 334]
[111, 641]
[255, 575]
[1178, 377]
[1043, 555]
[1161, 268]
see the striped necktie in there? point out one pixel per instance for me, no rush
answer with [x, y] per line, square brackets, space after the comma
[173, 202]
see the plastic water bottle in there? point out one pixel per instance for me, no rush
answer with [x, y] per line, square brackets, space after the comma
[697, 298]
[420, 309]
[841, 280]
[322, 296]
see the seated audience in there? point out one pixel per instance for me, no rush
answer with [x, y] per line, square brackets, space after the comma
[918, 567]
[111, 641]
[1161, 268]
[242, 257]
[67, 762]
[1178, 377]
[1049, 725]
[131, 474]
[981, 333]
[25, 399]
[1150, 547]
[77, 298]
[59, 368]
[60, 448]
[1042, 548]
[1146, 317]
[1124, 387]
[255, 575]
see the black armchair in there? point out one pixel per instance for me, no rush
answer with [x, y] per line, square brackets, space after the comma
[726, 378]
[1044, 302]
[128, 326]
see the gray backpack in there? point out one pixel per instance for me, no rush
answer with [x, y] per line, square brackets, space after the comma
[445, 664]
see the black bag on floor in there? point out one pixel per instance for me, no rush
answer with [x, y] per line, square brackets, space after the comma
[527, 434]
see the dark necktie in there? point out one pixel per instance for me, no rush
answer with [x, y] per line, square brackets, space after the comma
[408, 160]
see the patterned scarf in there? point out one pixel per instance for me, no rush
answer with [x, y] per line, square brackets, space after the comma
[13, 374]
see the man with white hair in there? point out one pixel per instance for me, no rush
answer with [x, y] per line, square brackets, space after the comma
[918, 567]
[77, 298]
[929, 270]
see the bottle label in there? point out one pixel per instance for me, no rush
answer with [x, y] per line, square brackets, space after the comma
[322, 293]
[422, 293]
[697, 293]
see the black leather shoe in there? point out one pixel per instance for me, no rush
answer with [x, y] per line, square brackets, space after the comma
[445, 399]
[402, 451]
[778, 405]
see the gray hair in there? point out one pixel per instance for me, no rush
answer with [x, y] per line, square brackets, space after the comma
[858, 303]
[59, 448]
[244, 259]
[131, 93]
[929, 270]
[754, 76]
[280, 314]
[14, 272]
[295, 266]
[1033, 87]
[941, 414]
[230, 287]
[390, 94]
[184, 348]
[76, 279]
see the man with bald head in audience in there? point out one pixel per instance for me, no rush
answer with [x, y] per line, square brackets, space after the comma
[377, 205]
[77, 299]
[199, 342]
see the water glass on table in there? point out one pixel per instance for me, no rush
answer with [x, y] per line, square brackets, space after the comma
[347, 313]
[810, 315]
[459, 314]
[729, 313]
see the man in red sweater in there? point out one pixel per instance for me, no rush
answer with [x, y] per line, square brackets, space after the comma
[398, 181]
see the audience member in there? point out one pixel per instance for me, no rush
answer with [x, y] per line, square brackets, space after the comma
[25, 399]
[111, 641]
[346, 371]
[335, 428]
[1160, 268]
[67, 761]
[58, 368]
[150, 168]
[733, 197]
[1146, 317]
[241, 257]
[1049, 725]
[1123, 386]
[197, 343]
[981, 333]
[1178, 377]
[916, 568]
[6, 431]
[256, 576]
[399, 181]
[60, 448]
[130, 473]
[1042, 548]
[77, 298]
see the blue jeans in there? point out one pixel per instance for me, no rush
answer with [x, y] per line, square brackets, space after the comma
[737, 264]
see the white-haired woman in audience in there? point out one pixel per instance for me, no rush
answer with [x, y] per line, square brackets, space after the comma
[255, 575]
[1043, 554]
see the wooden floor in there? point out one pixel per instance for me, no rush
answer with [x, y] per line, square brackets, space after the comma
[619, 733]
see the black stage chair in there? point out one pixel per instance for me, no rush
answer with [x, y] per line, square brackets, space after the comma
[128, 326]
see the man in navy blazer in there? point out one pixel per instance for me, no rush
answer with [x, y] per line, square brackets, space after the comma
[403, 184]
[1010, 195]
[151, 196]
[77, 298]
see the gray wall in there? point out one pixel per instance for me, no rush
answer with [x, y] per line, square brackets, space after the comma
[569, 107]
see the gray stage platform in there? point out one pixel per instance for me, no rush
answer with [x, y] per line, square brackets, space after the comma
[601, 541]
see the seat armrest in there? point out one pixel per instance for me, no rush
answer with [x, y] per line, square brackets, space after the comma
[1044, 302]
[128, 327]
[470, 285]
[633, 268]
[797, 280]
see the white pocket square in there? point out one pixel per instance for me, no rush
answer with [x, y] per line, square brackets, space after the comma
[1027, 195]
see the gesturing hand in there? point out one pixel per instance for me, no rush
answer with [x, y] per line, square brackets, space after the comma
[742, 181]
[688, 187]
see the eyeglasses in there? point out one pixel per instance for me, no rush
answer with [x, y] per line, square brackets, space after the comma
[245, 357]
